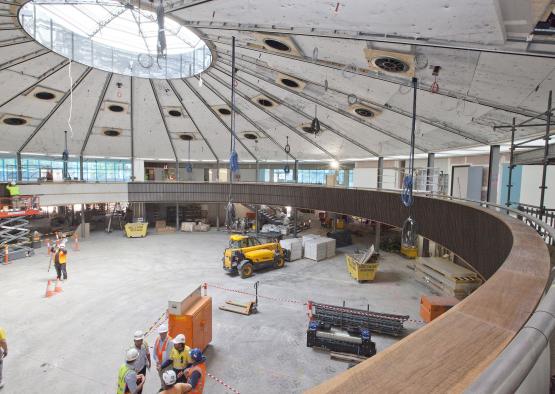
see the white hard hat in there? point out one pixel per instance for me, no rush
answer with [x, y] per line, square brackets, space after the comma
[163, 328]
[139, 335]
[12, 183]
[169, 378]
[132, 355]
[179, 339]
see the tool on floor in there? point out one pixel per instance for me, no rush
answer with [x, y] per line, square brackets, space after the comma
[244, 309]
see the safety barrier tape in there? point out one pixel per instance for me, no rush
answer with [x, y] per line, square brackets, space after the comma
[259, 296]
[305, 303]
[220, 381]
[157, 323]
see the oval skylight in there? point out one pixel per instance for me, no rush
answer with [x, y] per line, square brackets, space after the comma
[119, 37]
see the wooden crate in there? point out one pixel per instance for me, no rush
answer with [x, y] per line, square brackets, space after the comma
[434, 306]
[446, 277]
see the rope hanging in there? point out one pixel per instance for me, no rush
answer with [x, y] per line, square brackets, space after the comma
[406, 195]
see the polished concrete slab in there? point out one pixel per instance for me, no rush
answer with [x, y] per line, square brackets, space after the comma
[76, 341]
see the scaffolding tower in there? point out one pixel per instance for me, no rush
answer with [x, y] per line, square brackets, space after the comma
[15, 242]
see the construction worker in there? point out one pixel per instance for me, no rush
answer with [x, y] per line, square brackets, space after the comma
[128, 380]
[196, 374]
[60, 260]
[162, 350]
[3, 352]
[180, 358]
[13, 191]
[172, 387]
[143, 361]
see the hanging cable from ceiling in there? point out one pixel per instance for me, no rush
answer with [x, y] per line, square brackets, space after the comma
[161, 44]
[408, 234]
[233, 157]
[70, 99]
[315, 124]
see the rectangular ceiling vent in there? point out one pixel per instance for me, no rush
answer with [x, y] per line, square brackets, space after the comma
[116, 107]
[364, 111]
[277, 43]
[44, 94]
[290, 82]
[392, 63]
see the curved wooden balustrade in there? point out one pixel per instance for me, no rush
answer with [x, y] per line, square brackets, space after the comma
[451, 352]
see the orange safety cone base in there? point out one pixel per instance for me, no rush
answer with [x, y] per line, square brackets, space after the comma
[58, 288]
[49, 289]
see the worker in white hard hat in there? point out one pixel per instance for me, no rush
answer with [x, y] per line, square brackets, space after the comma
[180, 358]
[129, 382]
[172, 387]
[143, 361]
[162, 350]
[60, 260]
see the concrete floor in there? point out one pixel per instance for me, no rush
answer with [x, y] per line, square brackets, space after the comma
[76, 341]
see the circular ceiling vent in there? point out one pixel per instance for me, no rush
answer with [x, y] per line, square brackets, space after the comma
[186, 137]
[174, 112]
[277, 45]
[364, 112]
[308, 129]
[111, 133]
[45, 95]
[250, 136]
[14, 121]
[265, 102]
[224, 111]
[290, 83]
[391, 64]
[115, 108]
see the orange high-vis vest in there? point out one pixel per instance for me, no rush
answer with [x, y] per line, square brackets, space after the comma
[161, 350]
[200, 385]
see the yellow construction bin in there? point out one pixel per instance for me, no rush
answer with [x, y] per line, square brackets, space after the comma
[361, 272]
[136, 230]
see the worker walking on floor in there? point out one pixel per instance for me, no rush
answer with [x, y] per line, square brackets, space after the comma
[196, 374]
[60, 260]
[180, 358]
[172, 387]
[3, 352]
[162, 350]
[143, 361]
[128, 380]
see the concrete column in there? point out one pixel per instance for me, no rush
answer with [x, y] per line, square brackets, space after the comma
[257, 221]
[256, 177]
[296, 173]
[295, 222]
[379, 186]
[493, 173]
[271, 175]
[429, 172]
[83, 221]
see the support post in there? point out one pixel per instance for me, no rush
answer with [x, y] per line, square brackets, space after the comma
[218, 217]
[257, 221]
[295, 222]
[83, 232]
[493, 173]
[511, 165]
[429, 174]
[81, 170]
[545, 156]
[296, 173]
[257, 170]
[176, 217]
[19, 175]
[379, 186]
[132, 131]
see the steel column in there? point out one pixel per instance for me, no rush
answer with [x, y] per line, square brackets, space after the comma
[545, 156]
[132, 130]
[511, 165]
[379, 183]
[493, 173]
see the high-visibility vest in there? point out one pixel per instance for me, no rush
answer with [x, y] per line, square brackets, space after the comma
[13, 190]
[123, 371]
[200, 385]
[61, 256]
[180, 360]
[161, 350]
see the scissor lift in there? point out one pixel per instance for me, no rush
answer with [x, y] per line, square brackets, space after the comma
[14, 231]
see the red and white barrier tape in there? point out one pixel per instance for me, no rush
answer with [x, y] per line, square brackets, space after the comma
[157, 323]
[260, 296]
[220, 381]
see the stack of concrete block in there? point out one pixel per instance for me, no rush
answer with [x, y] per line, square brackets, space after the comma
[202, 227]
[316, 249]
[294, 247]
[188, 226]
[330, 247]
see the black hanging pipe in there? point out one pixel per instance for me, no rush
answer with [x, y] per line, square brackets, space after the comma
[65, 157]
[511, 165]
[413, 131]
[545, 156]
[232, 102]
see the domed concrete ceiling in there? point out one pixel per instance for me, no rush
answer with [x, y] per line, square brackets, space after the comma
[127, 93]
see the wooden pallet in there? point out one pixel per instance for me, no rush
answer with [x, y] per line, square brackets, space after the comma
[446, 277]
[236, 307]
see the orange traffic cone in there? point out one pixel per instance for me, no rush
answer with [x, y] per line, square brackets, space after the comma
[6, 255]
[58, 288]
[49, 289]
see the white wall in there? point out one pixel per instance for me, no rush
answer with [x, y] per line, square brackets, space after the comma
[365, 177]
[76, 193]
[530, 186]
[139, 169]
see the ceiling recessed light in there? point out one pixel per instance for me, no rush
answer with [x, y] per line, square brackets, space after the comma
[265, 102]
[290, 83]
[224, 111]
[116, 108]
[186, 137]
[250, 136]
[277, 45]
[364, 112]
[45, 95]
[111, 133]
[15, 121]
[174, 112]
[308, 129]
[391, 64]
